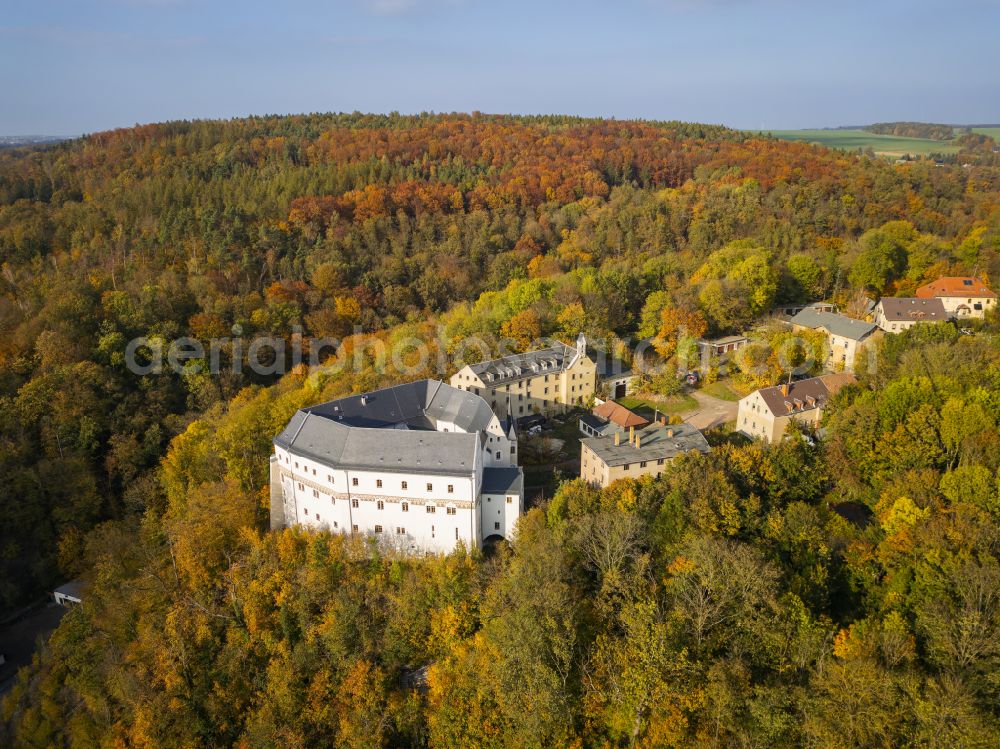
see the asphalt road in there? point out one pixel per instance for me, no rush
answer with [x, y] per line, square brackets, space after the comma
[19, 640]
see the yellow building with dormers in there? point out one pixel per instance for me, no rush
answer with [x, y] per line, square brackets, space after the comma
[547, 381]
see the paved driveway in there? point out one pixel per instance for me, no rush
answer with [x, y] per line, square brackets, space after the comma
[712, 411]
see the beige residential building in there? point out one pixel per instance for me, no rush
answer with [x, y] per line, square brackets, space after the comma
[845, 335]
[545, 381]
[962, 296]
[896, 314]
[766, 413]
[637, 452]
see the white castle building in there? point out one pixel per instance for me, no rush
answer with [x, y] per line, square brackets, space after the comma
[421, 466]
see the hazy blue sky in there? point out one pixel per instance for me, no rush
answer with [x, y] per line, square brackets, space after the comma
[73, 66]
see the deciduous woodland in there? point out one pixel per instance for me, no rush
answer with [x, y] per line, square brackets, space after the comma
[842, 594]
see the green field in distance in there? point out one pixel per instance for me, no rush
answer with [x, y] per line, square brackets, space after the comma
[887, 145]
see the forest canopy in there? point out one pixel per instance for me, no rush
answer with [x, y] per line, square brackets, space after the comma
[747, 606]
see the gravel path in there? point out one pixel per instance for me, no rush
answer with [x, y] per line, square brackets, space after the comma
[712, 411]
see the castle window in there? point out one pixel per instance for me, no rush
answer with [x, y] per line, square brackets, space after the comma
[451, 488]
[354, 503]
[405, 506]
[378, 483]
[431, 509]
[316, 494]
[354, 481]
[381, 505]
[400, 531]
[456, 534]
[378, 528]
[510, 500]
[302, 488]
[329, 478]
[451, 510]
[496, 526]
[404, 485]
[354, 529]
[317, 517]
[430, 487]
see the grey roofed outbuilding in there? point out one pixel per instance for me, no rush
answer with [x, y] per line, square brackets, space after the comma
[503, 480]
[72, 590]
[656, 441]
[393, 429]
[845, 327]
[909, 309]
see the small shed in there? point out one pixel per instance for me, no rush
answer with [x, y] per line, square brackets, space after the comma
[69, 594]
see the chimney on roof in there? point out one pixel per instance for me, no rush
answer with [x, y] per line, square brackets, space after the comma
[638, 439]
[631, 434]
[618, 438]
[784, 389]
[364, 400]
[670, 432]
[663, 420]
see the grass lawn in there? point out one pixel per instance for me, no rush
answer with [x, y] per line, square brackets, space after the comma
[886, 145]
[645, 405]
[720, 390]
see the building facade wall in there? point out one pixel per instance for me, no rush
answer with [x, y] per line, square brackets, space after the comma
[755, 419]
[499, 513]
[966, 306]
[595, 471]
[408, 510]
[891, 326]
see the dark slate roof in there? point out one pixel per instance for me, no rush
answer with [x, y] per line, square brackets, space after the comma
[655, 441]
[515, 367]
[503, 480]
[804, 395]
[594, 422]
[417, 405]
[393, 429]
[908, 309]
[845, 327]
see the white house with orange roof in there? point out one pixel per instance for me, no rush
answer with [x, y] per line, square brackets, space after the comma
[962, 296]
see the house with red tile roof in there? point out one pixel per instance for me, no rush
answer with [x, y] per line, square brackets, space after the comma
[962, 296]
